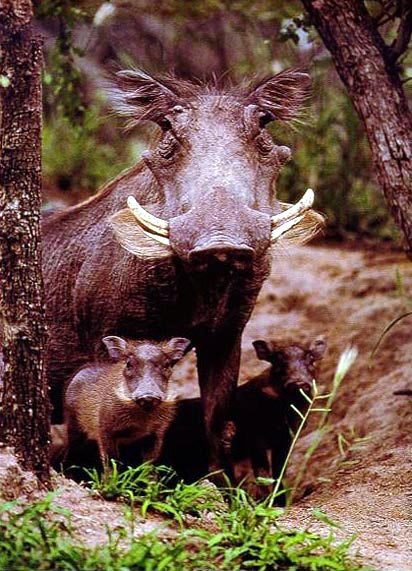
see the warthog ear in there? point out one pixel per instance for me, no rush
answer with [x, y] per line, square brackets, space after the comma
[282, 95]
[133, 239]
[176, 348]
[140, 97]
[318, 348]
[262, 349]
[116, 347]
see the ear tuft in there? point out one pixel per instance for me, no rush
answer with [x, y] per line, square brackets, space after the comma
[132, 238]
[116, 347]
[139, 96]
[281, 95]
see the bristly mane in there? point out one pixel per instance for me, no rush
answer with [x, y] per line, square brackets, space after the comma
[142, 97]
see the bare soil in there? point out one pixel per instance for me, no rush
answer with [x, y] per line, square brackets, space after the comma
[347, 296]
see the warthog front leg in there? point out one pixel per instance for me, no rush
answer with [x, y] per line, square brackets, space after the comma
[218, 368]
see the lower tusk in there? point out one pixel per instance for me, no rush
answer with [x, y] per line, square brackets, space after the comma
[280, 230]
[151, 224]
[153, 236]
[294, 211]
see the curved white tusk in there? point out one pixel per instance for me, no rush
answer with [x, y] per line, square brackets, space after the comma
[156, 237]
[150, 223]
[280, 230]
[294, 211]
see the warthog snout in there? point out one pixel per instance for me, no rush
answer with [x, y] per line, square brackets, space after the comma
[238, 257]
[294, 386]
[148, 402]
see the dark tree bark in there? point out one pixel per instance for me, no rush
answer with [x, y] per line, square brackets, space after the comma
[367, 67]
[24, 411]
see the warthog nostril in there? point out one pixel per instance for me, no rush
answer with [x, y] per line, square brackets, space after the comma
[221, 257]
[148, 403]
[238, 257]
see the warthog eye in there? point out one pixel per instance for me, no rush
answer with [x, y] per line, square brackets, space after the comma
[165, 124]
[128, 364]
[264, 119]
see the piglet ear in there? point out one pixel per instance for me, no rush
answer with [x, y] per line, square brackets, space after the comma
[318, 348]
[282, 95]
[262, 349]
[176, 348]
[116, 346]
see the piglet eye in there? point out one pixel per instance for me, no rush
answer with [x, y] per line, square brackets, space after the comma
[128, 364]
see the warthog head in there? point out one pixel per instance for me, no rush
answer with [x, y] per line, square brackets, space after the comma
[294, 366]
[216, 166]
[147, 368]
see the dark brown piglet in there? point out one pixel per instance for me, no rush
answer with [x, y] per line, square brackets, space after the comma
[264, 418]
[126, 400]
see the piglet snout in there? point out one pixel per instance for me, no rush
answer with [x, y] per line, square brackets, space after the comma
[294, 387]
[148, 402]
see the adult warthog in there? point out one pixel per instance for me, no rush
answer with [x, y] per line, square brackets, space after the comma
[191, 262]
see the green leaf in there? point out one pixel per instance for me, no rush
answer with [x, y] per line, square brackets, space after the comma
[305, 396]
[386, 330]
[321, 410]
[324, 518]
[47, 78]
[265, 481]
[293, 407]
[4, 81]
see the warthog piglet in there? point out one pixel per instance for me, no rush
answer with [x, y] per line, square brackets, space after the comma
[126, 400]
[263, 416]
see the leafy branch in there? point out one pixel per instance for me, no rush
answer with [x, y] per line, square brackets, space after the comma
[63, 74]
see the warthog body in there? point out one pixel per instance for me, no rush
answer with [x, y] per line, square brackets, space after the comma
[264, 418]
[124, 401]
[196, 270]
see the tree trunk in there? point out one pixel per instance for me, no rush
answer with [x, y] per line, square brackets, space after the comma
[24, 411]
[365, 66]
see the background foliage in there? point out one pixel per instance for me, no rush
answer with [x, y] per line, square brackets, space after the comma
[84, 145]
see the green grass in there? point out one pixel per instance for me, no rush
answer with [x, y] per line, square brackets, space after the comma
[244, 535]
[223, 529]
[156, 488]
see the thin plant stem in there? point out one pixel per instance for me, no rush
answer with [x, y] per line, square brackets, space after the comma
[346, 360]
[302, 424]
[386, 330]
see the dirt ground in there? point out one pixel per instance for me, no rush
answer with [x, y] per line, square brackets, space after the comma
[347, 296]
